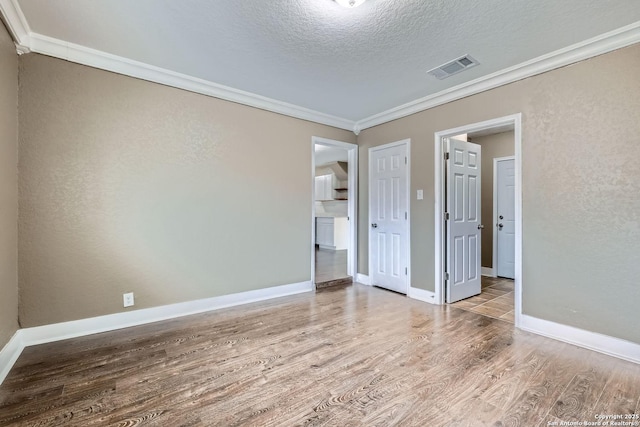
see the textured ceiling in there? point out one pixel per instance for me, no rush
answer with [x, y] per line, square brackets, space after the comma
[350, 63]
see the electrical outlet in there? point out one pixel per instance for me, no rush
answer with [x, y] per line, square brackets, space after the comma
[420, 195]
[127, 299]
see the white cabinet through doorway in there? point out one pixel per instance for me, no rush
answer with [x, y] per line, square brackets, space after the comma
[324, 187]
[332, 233]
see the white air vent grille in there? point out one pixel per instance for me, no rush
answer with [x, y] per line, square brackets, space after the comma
[453, 67]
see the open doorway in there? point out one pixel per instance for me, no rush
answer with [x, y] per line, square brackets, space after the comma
[496, 143]
[334, 172]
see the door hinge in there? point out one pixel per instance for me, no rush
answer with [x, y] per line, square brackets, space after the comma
[405, 160]
[446, 156]
[405, 216]
[405, 271]
[446, 216]
[446, 276]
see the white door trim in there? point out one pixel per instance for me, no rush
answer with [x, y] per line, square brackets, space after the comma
[406, 142]
[494, 256]
[514, 120]
[352, 177]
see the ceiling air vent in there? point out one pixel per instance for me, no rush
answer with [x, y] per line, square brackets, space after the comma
[453, 67]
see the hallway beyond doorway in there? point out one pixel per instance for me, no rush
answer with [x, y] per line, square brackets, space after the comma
[496, 299]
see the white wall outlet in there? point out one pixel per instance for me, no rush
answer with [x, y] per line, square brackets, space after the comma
[127, 299]
[420, 195]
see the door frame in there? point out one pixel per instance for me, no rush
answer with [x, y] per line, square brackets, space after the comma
[352, 203]
[514, 122]
[494, 255]
[406, 142]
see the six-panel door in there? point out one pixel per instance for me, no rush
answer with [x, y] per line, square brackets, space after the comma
[464, 223]
[389, 212]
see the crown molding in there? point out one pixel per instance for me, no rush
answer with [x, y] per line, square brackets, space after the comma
[117, 64]
[27, 41]
[607, 42]
[16, 24]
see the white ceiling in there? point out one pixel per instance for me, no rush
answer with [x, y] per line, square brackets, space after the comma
[325, 154]
[347, 63]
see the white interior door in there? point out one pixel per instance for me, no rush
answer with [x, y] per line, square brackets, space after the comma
[505, 218]
[388, 211]
[464, 220]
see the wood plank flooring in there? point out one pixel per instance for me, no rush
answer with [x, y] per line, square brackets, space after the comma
[496, 299]
[347, 356]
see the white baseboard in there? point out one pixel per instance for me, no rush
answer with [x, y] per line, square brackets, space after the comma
[110, 322]
[9, 354]
[363, 279]
[77, 328]
[611, 346]
[42, 334]
[486, 271]
[422, 295]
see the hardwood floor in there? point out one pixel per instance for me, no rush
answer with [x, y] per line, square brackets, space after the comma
[496, 299]
[331, 268]
[348, 356]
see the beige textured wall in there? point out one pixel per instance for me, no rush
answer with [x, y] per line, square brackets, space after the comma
[127, 185]
[8, 187]
[581, 180]
[493, 146]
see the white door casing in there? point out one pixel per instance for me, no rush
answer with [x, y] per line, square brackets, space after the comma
[464, 220]
[389, 216]
[352, 153]
[494, 125]
[504, 221]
